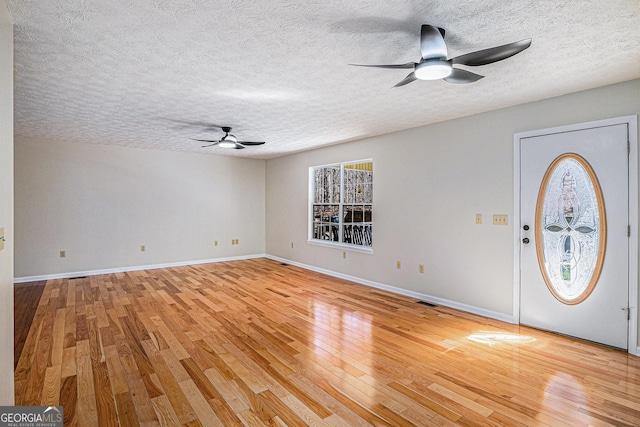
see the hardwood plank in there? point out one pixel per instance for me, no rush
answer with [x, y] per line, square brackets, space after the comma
[69, 400]
[363, 412]
[26, 297]
[170, 385]
[164, 411]
[142, 403]
[58, 337]
[232, 397]
[199, 404]
[281, 409]
[35, 364]
[127, 415]
[117, 376]
[210, 393]
[256, 343]
[51, 388]
[86, 407]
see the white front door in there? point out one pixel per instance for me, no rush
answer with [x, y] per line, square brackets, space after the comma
[574, 217]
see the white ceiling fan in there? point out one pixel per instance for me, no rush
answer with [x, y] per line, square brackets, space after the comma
[435, 65]
[228, 140]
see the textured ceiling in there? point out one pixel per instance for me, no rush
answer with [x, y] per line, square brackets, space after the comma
[154, 73]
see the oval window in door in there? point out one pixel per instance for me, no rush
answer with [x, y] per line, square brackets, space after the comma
[570, 228]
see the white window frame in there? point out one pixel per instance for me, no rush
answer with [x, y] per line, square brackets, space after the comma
[310, 220]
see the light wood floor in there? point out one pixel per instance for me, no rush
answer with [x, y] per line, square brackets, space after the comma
[258, 343]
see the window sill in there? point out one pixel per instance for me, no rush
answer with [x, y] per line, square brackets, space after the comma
[341, 246]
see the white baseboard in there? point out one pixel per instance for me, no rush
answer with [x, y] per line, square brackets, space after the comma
[133, 268]
[440, 301]
[508, 318]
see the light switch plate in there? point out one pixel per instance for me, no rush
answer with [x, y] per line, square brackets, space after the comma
[500, 219]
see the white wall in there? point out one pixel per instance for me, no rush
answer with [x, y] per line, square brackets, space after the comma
[6, 205]
[429, 183]
[101, 203]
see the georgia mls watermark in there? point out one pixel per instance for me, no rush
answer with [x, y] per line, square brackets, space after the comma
[31, 416]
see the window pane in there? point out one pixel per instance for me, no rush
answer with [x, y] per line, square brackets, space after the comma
[367, 196]
[357, 234]
[317, 213]
[367, 235]
[367, 213]
[353, 214]
[349, 186]
[326, 232]
[359, 185]
[332, 213]
[349, 215]
[327, 185]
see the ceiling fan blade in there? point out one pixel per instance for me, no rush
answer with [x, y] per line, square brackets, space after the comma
[493, 54]
[205, 140]
[215, 141]
[410, 78]
[432, 45]
[407, 65]
[459, 76]
[251, 142]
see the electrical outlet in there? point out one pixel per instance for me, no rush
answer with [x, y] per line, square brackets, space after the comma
[291, 245]
[63, 254]
[398, 265]
[478, 218]
[500, 219]
[344, 255]
[215, 243]
[142, 248]
[421, 268]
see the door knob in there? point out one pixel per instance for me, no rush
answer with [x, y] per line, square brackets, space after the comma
[525, 240]
[525, 228]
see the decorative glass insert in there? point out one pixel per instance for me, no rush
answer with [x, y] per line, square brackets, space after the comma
[570, 229]
[342, 201]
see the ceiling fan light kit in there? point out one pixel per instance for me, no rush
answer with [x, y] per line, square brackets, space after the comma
[433, 69]
[434, 64]
[227, 144]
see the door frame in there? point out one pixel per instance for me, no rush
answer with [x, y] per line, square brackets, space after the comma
[632, 135]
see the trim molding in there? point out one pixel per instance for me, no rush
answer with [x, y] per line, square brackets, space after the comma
[133, 268]
[441, 301]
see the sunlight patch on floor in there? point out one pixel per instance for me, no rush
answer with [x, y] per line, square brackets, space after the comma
[491, 338]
